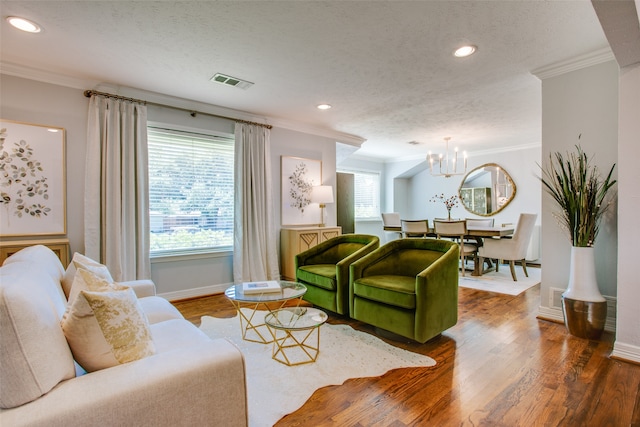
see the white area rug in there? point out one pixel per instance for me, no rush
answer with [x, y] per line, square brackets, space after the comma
[275, 390]
[502, 282]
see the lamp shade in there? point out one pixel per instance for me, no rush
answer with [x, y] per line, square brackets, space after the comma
[322, 194]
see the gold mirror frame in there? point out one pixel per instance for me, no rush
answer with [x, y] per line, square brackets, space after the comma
[487, 200]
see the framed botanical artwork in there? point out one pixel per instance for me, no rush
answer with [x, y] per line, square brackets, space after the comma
[298, 177]
[32, 180]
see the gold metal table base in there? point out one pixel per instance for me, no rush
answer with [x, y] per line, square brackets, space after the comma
[252, 332]
[295, 347]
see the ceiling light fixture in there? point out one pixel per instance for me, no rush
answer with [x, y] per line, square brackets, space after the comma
[450, 162]
[24, 24]
[323, 107]
[465, 51]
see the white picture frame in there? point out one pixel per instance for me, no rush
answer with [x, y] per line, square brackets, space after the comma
[32, 180]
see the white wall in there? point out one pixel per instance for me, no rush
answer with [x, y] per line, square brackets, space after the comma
[49, 104]
[521, 165]
[627, 344]
[580, 102]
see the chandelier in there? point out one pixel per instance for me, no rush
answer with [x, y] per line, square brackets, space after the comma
[447, 164]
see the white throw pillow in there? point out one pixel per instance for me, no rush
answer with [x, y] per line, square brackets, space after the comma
[85, 280]
[81, 261]
[106, 329]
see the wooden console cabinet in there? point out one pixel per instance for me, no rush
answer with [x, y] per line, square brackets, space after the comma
[59, 246]
[294, 240]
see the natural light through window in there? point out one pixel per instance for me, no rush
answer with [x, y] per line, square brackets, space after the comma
[190, 191]
[366, 194]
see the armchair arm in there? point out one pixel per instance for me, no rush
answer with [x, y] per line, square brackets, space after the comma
[201, 384]
[437, 295]
[142, 287]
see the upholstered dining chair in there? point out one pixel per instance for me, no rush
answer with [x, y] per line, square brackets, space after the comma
[414, 227]
[514, 249]
[408, 287]
[478, 222]
[456, 230]
[324, 269]
[391, 223]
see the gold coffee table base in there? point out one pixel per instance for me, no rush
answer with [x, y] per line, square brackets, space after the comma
[255, 332]
[296, 334]
[303, 352]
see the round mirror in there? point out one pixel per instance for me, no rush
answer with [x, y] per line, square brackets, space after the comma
[486, 190]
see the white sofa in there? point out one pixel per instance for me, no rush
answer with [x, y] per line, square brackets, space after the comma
[191, 380]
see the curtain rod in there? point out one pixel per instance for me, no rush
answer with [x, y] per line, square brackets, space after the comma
[89, 93]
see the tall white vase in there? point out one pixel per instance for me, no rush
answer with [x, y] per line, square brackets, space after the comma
[583, 306]
[583, 284]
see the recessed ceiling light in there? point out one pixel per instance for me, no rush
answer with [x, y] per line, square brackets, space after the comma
[24, 24]
[323, 106]
[463, 51]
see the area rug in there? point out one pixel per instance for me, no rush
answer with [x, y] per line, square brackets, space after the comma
[502, 282]
[274, 389]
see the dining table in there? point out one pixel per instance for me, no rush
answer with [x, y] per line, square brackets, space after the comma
[479, 232]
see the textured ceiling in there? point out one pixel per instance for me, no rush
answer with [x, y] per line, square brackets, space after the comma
[385, 66]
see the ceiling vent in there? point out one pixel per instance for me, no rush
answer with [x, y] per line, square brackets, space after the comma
[231, 81]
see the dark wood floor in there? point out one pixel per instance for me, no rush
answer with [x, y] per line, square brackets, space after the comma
[499, 366]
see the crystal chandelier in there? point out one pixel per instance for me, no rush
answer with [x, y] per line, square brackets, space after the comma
[447, 164]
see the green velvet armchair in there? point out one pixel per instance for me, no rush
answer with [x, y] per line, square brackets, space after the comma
[408, 287]
[324, 269]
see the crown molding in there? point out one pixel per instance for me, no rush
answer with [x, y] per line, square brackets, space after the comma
[44, 76]
[574, 64]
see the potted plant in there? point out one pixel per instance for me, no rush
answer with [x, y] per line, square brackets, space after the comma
[580, 191]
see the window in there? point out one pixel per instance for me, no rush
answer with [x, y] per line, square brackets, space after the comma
[367, 194]
[190, 191]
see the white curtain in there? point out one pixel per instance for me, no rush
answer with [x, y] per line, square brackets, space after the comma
[255, 247]
[116, 209]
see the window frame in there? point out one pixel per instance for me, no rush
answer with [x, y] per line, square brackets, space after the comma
[190, 253]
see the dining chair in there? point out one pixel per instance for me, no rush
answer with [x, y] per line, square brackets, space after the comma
[391, 223]
[414, 227]
[480, 222]
[457, 230]
[514, 249]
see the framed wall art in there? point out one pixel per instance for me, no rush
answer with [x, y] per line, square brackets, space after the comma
[298, 177]
[32, 180]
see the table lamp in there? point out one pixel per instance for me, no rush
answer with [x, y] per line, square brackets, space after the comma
[322, 194]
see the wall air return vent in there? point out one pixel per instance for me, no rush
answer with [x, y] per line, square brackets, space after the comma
[231, 81]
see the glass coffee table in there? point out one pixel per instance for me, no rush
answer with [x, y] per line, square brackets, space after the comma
[293, 331]
[254, 329]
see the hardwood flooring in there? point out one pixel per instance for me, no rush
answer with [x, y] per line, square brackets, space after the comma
[499, 366]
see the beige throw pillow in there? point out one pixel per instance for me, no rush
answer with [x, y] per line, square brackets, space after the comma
[105, 329]
[86, 280]
[81, 261]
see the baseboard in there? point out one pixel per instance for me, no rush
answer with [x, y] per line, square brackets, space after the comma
[626, 352]
[195, 292]
[555, 314]
[550, 313]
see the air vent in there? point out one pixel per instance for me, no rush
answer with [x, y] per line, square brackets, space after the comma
[555, 297]
[231, 81]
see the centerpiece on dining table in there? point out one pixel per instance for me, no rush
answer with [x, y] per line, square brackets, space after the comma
[449, 202]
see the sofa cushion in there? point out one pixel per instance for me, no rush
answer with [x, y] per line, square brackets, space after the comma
[105, 329]
[34, 355]
[321, 275]
[159, 309]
